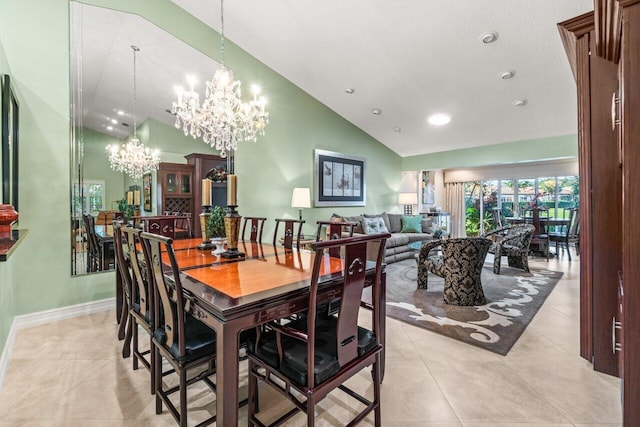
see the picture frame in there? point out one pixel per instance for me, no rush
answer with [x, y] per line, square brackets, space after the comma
[9, 151]
[340, 179]
[146, 192]
[428, 187]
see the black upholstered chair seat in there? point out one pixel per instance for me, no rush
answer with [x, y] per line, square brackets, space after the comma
[200, 340]
[294, 362]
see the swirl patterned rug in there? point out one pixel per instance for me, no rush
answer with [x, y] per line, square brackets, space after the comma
[514, 298]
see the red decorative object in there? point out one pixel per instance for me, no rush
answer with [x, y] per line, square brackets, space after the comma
[8, 216]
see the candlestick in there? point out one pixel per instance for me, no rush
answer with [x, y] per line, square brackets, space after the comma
[136, 197]
[129, 198]
[206, 192]
[232, 190]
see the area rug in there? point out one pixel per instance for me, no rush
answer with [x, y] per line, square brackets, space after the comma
[513, 296]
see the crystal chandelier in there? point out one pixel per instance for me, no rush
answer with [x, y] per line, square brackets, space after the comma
[133, 158]
[223, 119]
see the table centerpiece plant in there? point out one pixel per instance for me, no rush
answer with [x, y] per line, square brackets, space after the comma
[215, 228]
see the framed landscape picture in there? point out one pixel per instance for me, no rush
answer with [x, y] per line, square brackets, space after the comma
[339, 179]
[146, 192]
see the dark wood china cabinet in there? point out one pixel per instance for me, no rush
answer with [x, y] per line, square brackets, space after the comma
[603, 48]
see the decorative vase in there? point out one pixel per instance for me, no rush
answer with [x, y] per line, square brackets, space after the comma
[8, 216]
[219, 242]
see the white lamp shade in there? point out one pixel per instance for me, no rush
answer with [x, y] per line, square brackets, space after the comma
[408, 199]
[301, 198]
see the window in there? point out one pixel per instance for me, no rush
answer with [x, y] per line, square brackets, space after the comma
[88, 198]
[513, 196]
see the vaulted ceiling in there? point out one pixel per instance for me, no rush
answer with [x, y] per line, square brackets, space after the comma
[408, 58]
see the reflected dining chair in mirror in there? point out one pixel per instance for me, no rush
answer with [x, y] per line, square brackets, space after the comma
[336, 344]
[255, 228]
[94, 256]
[180, 339]
[142, 301]
[568, 234]
[182, 225]
[290, 236]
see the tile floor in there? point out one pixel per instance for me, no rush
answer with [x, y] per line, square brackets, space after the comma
[70, 373]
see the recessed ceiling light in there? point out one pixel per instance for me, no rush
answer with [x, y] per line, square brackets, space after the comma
[109, 127]
[114, 121]
[520, 102]
[489, 37]
[376, 111]
[349, 90]
[397, 129]
[506, 75]
[439, 119]
[120, 113]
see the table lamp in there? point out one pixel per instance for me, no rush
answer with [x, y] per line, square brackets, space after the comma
[300, 199]
[408, 200]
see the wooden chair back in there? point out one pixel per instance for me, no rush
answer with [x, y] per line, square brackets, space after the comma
[162, 226]
[290, 235]
[140, 289]
[169, 299]
[255, 228]
[123, 264]
[334, 230]
[94, 255]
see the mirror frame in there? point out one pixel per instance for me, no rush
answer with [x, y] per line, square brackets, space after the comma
[10, 133]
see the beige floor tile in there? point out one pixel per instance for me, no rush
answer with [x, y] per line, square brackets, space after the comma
[491, 392]
[431, 380]
[574, 390]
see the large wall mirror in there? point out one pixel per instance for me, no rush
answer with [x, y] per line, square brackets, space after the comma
[102, 103]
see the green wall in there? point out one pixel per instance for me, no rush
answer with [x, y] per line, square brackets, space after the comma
[557, 147]
[35, 42]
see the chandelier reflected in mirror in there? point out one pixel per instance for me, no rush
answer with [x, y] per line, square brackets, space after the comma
[223, 119]
[133, 158]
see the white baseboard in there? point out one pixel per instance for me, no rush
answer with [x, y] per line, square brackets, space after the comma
[47, 316]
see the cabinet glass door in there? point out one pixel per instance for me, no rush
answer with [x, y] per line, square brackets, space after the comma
[171, 183]
[185, 183]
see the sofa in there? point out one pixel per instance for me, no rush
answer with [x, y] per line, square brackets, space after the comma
[404, 230]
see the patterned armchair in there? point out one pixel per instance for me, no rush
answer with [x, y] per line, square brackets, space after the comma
[460, 265]
[512, 242]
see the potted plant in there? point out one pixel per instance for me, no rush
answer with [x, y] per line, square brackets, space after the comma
[215, 228]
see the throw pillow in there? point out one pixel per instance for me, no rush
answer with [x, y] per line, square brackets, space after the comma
[427, 225]
[374, 225]
[384, 217]
[358, 220]
[395, 223]
[411, 224]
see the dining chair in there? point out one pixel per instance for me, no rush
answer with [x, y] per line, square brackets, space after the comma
[338, 346]
[288, 238]
[162, 226]
[539, 219]
[182, 225]
[334, 230]
[142, 297]
[255, 228]
[180, 339]
[123, 268]
[497, 217]
[569, 234]
[94, 255]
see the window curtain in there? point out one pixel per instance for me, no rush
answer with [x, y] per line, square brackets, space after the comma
[454, 203]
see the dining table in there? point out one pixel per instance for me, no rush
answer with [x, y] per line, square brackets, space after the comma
[232, 295]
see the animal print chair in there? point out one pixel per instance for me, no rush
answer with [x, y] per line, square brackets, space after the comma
[460, 265]
[512, 242]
